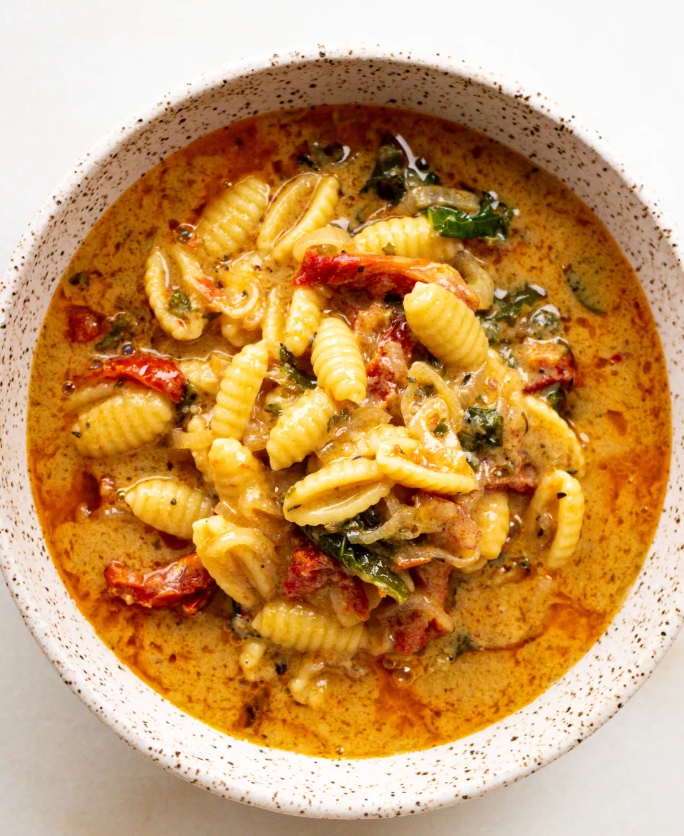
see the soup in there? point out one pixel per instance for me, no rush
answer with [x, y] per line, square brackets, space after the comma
[348, 430]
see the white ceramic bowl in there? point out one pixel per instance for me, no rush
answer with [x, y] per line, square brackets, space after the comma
[573, 707]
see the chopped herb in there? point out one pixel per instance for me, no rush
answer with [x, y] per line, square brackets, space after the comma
[371, 568]
[288, 364]
[389, 249]
[525, 565]
[462, 643]
[320, 156]
[338, 418]
[485, 430]
[119, 383]
[120, 329]
[77, 434]
[81, 278]
[584, 295]
[544, 323]
[471, 458]
[511, 304]
[186, 402]
[281, 667]
[274, 408]
[436, 364]
[555, 397]
[179, 304]
[441, 429]
[365, 521]
[427, 390]
[491, 221]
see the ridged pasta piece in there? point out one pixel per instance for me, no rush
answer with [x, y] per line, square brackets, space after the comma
[242, 561]
[238, 391]
[300, 429]
[409, 237]
[308, 687]
[336, 492]
[337, 361]
[240, 480]
[396, 462]
[368, 443]
[302, 628]
[273, 323]
[319, 213]
[446, 326]
[329, 240]
[303, 317]
[159, 292]
[550, 443]
[477, 277]
[232, 217]
[236, 334]
[201, 375]
[288, 204]
[132, 417]
[168, 505]
[559, 496]
[199, 439]
[252, 654]
[492, 517]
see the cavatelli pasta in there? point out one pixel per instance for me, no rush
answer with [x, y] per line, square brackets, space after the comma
[319, 213]
[336, 492]
[337, 361]
[299, 627]
[242, 561]
[410, 237]
[236, 334]
[446, 326]
[401, 462]
[168, 505]
[232, 217]
[557, 503]
[273, 324]
[253, 662]
[238, 391]
[300, 429]
[308, 687]
[303, 317]
[178, 311]
[132, 417]
[491, 515]
[288, 204]
[550, 443]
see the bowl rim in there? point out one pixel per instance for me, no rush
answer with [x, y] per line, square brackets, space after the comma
[136, 122]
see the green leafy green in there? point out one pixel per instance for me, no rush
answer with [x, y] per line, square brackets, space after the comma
[511, 304]
[179, 304]
[365, 521]
[120, 329]
[319, 156]
[274, 408]
[462, 643]
[490, 327]
[441, 429]
[338, 418]
[490, 221]
[555, 396]
[371, 568]
[392, 176]
[544, 323]
[188, 399]
[485, 430]
[584, 295]
[80, 279]
[288, 364]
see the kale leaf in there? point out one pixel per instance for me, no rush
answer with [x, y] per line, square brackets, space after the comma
[488, 222]
[485, 430]
[120, 329]
[392, 175]
[288, 364]
[179, 304]
[584, 295]
[511, 304]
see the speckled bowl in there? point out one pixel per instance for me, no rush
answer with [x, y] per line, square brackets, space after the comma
[573, 707]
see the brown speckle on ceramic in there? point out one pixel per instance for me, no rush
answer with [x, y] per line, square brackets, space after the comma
[569, 711]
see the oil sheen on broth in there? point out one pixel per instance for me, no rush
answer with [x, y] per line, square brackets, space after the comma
[517, 627]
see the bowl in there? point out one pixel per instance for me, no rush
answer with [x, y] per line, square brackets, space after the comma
[576, 705]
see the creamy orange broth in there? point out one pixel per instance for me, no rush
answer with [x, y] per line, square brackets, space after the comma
[621, 412]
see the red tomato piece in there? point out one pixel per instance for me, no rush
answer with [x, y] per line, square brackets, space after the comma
[156, 373]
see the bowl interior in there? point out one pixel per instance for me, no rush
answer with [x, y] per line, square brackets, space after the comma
[575, 705]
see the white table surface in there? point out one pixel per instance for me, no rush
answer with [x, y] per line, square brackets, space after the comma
[69, 71]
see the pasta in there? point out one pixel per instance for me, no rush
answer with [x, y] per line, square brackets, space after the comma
[305, 629]
[284, 210]
[252, 660]
[132, 417]
[549, 442]
[337, 361]
[273, 328]
[180, 312]
[308, 687]
[303, 318]
[319, 212]
[242, 561]
[336, 492]
[446, 326]
[300, 429]
[492, 518]
[168, 505]
[397, 462]
[560, 497]
[411, 237]
[232, 217]
[238, 391]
